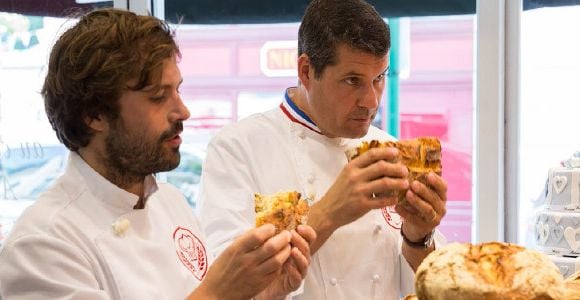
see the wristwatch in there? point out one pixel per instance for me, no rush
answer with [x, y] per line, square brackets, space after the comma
[425, 243]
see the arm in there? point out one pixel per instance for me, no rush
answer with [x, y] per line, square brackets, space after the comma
[364, 184]
[424, 212]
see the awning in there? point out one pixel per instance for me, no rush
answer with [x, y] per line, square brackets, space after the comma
[261, 11]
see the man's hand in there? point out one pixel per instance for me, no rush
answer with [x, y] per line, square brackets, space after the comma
[248, 266]
[295, 268]
[425, 207]
[422, 212]
[367, 182]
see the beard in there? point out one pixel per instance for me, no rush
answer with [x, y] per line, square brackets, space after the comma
[134, 154]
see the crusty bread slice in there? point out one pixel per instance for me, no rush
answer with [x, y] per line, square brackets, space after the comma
[421, 156]
[285, 210]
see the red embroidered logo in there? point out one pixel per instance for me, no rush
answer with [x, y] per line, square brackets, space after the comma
[191, 252]
[392, 217]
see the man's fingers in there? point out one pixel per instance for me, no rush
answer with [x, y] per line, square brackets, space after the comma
[273, 246]
[375, 154]
[307, 233]
[275, 263]
[438, 184]
[254, 238]
[301, 261]
[384, 186]
[426, 194]
[382, 169]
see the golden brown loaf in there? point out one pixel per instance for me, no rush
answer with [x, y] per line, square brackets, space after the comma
[284, 209]
[488, 271]
[421, 156]
[573, 287]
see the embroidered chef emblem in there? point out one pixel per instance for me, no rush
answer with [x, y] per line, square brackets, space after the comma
[392, 217]
[191, 252]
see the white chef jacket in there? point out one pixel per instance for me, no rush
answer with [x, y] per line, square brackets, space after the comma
[82, 239]
[278, 150]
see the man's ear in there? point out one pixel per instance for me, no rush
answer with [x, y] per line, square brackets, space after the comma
[97, 124]
[305, 70]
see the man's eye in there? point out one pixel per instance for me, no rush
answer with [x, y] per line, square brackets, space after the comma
[380, 77]
[158, 98]
[351, 81]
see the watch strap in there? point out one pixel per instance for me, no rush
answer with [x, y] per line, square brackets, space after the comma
[424, 243]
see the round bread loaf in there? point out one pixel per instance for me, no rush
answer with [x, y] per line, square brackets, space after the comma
[488, 271]
[573, 287]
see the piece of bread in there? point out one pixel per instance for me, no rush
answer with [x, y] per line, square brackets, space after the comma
[573, 286]
[285, 210]
[421, 156]
[488, 271]
[410, 297]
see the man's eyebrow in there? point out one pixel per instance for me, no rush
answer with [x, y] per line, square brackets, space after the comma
[157, 87]
[353, 73]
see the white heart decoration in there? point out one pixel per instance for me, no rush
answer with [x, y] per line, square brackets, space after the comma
[558, 233]
[544, 218]
[559, 183]
[557, 218]
[570, 235]
[542, 233]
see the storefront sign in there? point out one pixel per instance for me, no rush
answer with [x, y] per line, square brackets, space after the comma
[278, 58]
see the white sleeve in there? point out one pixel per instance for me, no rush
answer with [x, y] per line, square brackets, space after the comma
[41, 267]
[226, 197]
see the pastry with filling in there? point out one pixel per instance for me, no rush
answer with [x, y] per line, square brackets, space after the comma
[285, 210]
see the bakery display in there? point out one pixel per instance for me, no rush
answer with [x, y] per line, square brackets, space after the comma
[285, 210]
[491, 270]
[557, 223]
[421, 156]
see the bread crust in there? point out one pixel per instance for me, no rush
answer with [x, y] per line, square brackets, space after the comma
[573, 286]
[488, 271]
[285, 210]
[421, 156]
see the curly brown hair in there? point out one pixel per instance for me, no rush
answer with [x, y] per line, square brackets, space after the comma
[326, 24]
[91, 63]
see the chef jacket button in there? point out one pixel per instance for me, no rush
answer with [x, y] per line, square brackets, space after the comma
[376, 278]
[378, 228]
[311, 178]
[302, 135]
[333, 281]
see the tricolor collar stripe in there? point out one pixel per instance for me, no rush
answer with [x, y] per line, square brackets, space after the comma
[296, 115]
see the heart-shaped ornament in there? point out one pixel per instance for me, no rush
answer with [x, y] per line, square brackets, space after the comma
[557, 233]
[542, 233]
[570, 235]
[559, 183]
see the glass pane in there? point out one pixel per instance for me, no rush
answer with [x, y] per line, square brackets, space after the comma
[250, 66]
[549, 126]
[436, 99]
[31, 157]
[232, 71]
